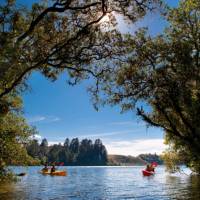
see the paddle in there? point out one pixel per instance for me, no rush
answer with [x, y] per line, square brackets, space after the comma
[59, 163]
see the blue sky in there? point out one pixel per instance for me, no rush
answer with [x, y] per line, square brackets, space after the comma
[60, 111]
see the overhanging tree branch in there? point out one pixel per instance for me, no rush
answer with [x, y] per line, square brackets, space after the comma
[18, 80]
[65, 7]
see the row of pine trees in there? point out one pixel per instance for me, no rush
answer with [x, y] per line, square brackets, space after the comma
[72, 152]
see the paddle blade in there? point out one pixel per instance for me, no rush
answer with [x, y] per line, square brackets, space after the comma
[59, 163]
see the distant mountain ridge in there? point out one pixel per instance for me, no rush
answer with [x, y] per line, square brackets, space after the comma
[143, 159]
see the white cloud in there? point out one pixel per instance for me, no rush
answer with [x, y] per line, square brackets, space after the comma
[105, 134]
[122, 123]
[36, 119]
[54, 119]
[132, 123]
[45, 119]
[50, 143]
[136, 147]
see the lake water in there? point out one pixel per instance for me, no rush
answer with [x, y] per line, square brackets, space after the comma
[101, 183]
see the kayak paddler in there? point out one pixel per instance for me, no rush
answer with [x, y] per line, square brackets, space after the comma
[150, 168]
[53, 169]
[45, 169]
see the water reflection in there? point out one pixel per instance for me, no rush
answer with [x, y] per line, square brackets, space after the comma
[113, 183]
[193, 187]
[183, 187]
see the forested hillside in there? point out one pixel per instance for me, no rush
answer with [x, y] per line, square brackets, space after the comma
[72, 152]
[142, 159]
[151, 158]
[83, 153]
[121, 160]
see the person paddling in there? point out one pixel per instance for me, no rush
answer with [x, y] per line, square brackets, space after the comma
[53, 169]
[150, 168]
[45, 169]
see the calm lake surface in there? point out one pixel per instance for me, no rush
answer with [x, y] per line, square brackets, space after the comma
[101, 183]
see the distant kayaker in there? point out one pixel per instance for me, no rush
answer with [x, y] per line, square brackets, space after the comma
[149, 168]
[45, 169]
[53, 169]
[152, 168]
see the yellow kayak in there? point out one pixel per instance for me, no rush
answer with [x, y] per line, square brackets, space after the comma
[56, 173]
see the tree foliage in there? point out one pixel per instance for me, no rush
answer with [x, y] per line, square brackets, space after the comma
[164, 72]
[64, 35]
[14, 134]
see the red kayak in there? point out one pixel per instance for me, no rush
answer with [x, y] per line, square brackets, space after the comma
[147, 173]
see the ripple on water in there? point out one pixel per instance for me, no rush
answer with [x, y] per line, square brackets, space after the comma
[102, 183]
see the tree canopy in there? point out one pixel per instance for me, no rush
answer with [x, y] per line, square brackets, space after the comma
[163, 72]
[65, 35]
